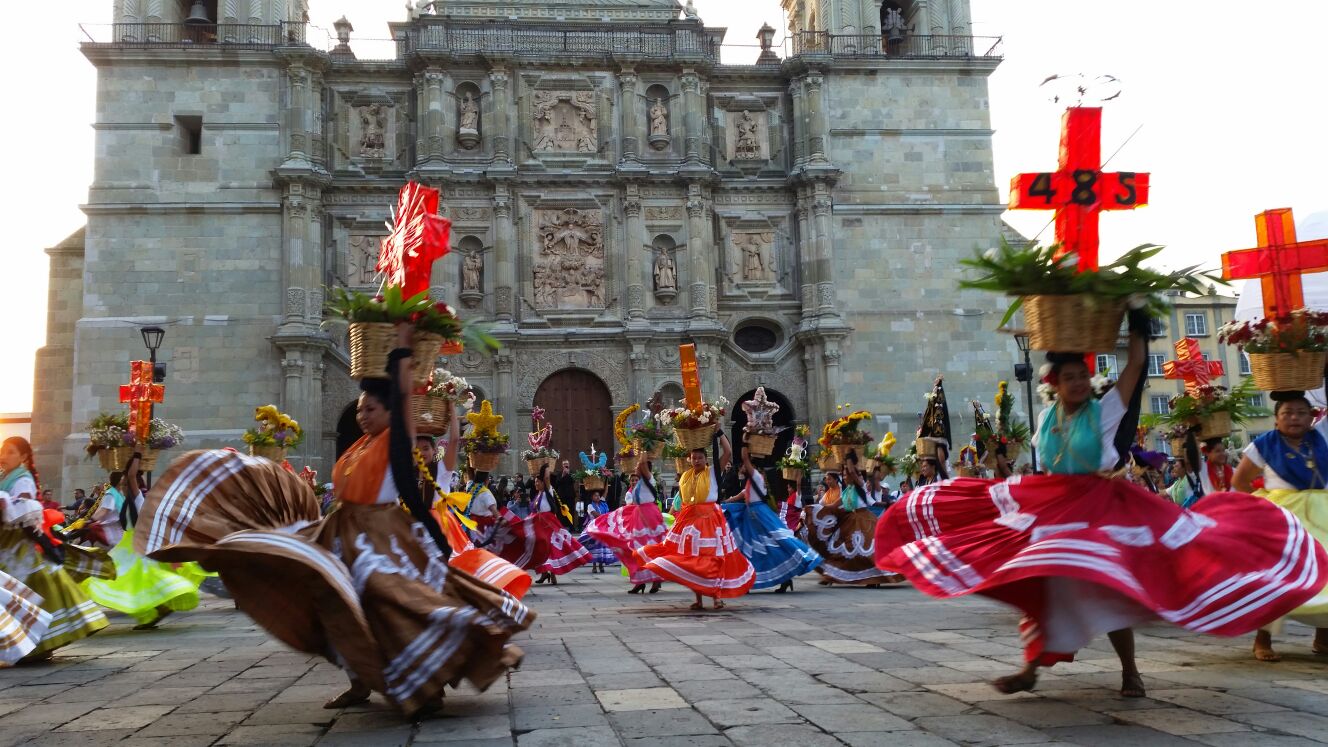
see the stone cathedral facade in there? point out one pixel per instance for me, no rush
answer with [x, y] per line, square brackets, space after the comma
[615, 189]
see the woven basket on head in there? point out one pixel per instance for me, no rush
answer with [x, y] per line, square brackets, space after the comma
[274, 453]
[370, 344]
[1287, 372]
[432, 415]
[484, 461]
[759, 445]
[696, 438]
[114, 460]
[1077, 323]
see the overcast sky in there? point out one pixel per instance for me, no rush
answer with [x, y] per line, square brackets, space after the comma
[1219, 104]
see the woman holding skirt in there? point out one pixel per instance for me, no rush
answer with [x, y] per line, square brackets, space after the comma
[1081, 553]
[841, 528]
[33, 560]
[777, 556]
[1293, 460]
[637, 523]
[699, 551]
[540, 542]
[368, 586]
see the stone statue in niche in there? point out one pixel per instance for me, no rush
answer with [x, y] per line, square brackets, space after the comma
[569, 268]
[666, 273]
[566, 121]
[755, 248]
[362, 260]
[894, 28]
[749, 137]
[468, 129]
[373, 130]
[659, 124]
[472, 271]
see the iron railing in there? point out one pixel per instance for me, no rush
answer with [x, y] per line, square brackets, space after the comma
[533, 39]
[873, 45]
[180, 35]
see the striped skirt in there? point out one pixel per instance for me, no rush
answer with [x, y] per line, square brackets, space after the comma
[365, 586]
[73, 616]
[22, 620]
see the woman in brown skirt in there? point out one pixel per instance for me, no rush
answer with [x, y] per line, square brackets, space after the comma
[842, 528]
[368, 586]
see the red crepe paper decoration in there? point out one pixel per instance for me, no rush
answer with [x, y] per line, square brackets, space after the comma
[1191, 367]
[140, 394]
[1079, 190]
[419, 237]
[1278, 262]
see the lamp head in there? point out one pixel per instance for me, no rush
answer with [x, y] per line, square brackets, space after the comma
[152, 337]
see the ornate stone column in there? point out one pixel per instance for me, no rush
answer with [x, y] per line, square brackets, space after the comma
[816, 118]
[503, 247]
[432, 123]
[640, 360]
[806, 256]
[817, 401]
[825, 286]
[503, 363]
[299, 118]
[959, 18]
[502, 135]
[633, 243]
[631, 116]
[938, 12]
[800, 124]
[691, 97]
[830, 363]
[699, 249]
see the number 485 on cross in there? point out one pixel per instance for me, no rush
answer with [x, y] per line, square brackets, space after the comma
[1079, 190]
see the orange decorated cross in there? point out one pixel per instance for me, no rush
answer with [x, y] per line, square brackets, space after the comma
[1079, 190]
[140, 394]
[1191, 367]
[1278, 262]
[691, 376]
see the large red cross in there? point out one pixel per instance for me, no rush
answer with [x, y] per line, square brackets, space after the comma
[419, 237]
[1278, 262]
[140, 394]
[1079, 190]
[1191, 367]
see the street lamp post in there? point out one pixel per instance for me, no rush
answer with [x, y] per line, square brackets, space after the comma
[152, 337]
[1024, 372]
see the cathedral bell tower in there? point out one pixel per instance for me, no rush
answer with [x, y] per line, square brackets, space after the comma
[869, 18]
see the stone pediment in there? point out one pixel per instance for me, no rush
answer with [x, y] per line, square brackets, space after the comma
[570, 10]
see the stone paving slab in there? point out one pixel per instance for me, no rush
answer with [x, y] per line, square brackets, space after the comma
[837, 666]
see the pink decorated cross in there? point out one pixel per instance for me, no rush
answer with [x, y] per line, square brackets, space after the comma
[140, 394]
[418, 238]
[1191, 367]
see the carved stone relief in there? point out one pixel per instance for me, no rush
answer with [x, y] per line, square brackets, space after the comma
[468, 121]
[666, 272]
[569, 266]
[373, 123]
[471, 215]
[533, 369]
[755, 255]
[663, 213]
[747, 136]
[361, 259]
[659, 124]
[472, 272]
[566, 121]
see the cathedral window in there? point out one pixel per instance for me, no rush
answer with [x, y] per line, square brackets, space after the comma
[755, 338]
[189, 134]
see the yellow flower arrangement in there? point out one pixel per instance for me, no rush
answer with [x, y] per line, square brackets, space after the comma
[620, 427]
[275, 428]
[844, 430]
[484, 436]
[886, 446]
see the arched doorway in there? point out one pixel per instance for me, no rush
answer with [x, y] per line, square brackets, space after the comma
[580, 407]
[348, 430]
[783, 419]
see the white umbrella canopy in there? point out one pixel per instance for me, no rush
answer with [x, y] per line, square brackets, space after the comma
[1250, 303]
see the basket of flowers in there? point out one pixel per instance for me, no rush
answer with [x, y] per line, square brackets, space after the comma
[1211, 411]
[1069, 310]
[650, 437]
[1287, 353]
[275, 433]
[793, 465]
[881, 457]
[845, 434]
[1003, 430]
[968, 466]
[679, 456]
[485, 445]
[432, 408]
[162, 436]
[695, 429]
[760, 431]
[594, 469]
[540, 454]
[372, 334]
[110, 441]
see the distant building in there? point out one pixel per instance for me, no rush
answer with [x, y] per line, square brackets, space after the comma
[15, 424]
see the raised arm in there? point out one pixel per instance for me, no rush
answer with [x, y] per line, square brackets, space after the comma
[725, 453]
[1134, 367]
[453, 446]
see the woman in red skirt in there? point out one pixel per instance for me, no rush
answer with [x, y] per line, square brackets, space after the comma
[1081, 554]
[699, 551]
[541, 541]
[636, 524]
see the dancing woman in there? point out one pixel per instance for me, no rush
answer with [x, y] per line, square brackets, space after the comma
[841, 529]
[634, 525]
[1293, 460]
[540, 542]
[368, 586]
[699, 551]
[777, 556]
[33, 561]
[1082, 554]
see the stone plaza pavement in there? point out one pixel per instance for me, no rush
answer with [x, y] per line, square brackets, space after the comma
[815, 667]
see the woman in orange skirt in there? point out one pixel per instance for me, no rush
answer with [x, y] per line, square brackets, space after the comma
[368, 586]
[699, 551]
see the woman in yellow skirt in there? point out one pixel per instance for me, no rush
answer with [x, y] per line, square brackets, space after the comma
[72, 614]
[1293, 460]
[144, 589]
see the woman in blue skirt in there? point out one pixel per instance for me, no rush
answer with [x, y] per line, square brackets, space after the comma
[763, 537]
